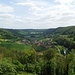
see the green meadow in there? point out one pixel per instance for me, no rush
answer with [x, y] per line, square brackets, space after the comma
[15, 46]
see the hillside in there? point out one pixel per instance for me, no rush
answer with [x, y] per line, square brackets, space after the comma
[19, 33]
[35, 33]
[64, 30]
[37, 51]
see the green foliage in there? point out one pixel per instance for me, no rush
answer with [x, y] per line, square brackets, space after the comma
[16, 57]
[71, 63]
[40, 48]
[55, 66]
[25, 73]
[65, 42]
[37, 69]
[72, 67]
[18, 65]
[50, 53]
[6, 67]
[30, 68]
[28, 56]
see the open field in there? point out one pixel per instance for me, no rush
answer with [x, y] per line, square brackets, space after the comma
[16, 46]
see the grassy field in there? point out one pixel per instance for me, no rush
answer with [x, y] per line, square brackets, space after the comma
[15, 46]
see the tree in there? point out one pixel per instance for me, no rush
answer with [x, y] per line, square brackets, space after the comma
[50, 53]
[54, 66]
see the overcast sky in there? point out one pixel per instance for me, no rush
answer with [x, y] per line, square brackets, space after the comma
[36, 14]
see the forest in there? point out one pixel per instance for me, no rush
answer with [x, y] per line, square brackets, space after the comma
[37, 51]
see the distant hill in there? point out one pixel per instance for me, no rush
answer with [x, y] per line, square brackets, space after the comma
[28, 33]
[20, 33]
[62, 30]
[65, 30]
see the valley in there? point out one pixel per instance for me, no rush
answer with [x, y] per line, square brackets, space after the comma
[37, 51]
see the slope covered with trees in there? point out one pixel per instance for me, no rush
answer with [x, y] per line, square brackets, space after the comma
[37, 51]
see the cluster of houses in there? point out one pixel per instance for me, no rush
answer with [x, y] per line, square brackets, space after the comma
[47, 43]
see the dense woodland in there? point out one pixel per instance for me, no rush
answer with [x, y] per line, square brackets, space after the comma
[37, 51]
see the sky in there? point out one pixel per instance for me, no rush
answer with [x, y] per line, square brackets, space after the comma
[36, 14]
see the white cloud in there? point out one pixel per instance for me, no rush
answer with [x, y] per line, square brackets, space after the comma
[64, 1]
[45, 15]
[5, 8]
[33, 4]
[6, 16]
[40, 14]
[26, 3]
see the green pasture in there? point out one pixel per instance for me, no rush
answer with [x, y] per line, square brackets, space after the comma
[15, 46]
